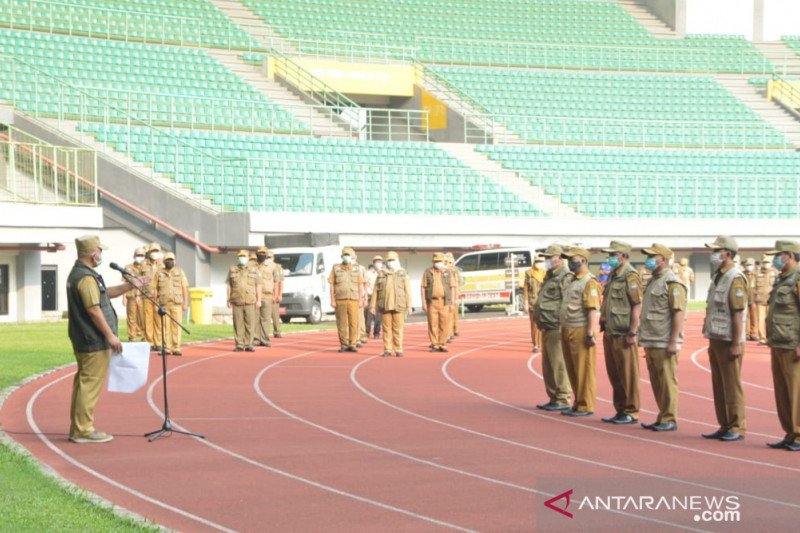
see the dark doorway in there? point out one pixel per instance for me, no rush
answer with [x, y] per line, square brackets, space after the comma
[49, 281]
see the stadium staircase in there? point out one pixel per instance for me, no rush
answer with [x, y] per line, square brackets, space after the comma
[654, 25]
[786, 60]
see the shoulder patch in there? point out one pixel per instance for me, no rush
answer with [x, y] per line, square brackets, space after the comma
[593, 291]
[739, 293]
[676, 291]
[634, 285]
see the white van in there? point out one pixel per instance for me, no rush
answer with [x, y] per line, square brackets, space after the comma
[486, 276]
[306, 292]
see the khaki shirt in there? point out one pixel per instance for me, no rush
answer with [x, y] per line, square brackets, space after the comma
[346, 280]
[591, 292]
[677, 297]
[634, 288]
[737, 296]
[532, 285]
[244, 281]
[89, 292]
[134, 269]
[267, 277]
[171, 285]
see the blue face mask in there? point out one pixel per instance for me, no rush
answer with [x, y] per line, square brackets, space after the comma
[777, 262]
[574, 266]
[613, 262]
[650, 264]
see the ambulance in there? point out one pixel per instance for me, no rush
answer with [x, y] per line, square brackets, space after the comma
[493, 276]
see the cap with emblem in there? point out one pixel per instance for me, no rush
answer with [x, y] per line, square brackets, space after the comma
[88, 244]
[750, 261]
[154, 247]
[377, 258]
[262, 250]
[348, 251]
[438, 256]
[765, 258]
[724, 241]
[169, 255]
[140, 251]
[576, 250]
[242, 253]
[792, 247]
[620, 247]
[392, 255]
[553, 250]
[684, 261]
[539, 259]
[658, 249]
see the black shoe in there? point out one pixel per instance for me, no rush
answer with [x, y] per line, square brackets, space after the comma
[577, 413]
[387, 354]
[611, 419]
[177, 352]
[238, 349]
[546, 406]
[399, 354]
[731, 436]
[778, 445]
[352, 348]
[456, 334]
[793, 446]
[624, 418]
[716, 435]
[343, 349]
[277, 335]
[250, 349]
[443, 349]
[558, 407]
[648, 426]
[665, 426]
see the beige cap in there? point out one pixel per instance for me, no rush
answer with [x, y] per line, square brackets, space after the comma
[169, 255]
[576, 250]
[392, 255]
[262, 250]
[89, 243]
[348, 251]
[438, 256]
[242, 253]
[270, 253]
[377, 258]
[621, 247]
[684, 261]
[539, 259]
[658, 249]
[750, 261]
[793, 247]
[154, 246]
[765, 258]
[724, 241]
[553, 250]
[141, 250]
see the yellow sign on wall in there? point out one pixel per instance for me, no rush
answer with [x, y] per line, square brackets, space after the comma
[437, 112]
[360, 78]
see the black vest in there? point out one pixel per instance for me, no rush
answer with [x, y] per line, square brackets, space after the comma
[83, 333]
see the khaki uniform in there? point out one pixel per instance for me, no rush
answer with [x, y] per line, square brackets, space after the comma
[783, 336]
[581, 294]
[152, 322]
[664, 296]
[171, 287]
[391, 297]
[727, 294]
[244, 282]
[546, 312]
[362, 320]
[645, 275]
[531, 287]
[346, 280]
[438, 286]
[622, 292]
[752, 307]
[456, 273]
[277, 278]
[686, 275]
[134, 307]
[765, 277]
[267, 302]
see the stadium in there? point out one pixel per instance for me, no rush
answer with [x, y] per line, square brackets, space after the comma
[419, 126]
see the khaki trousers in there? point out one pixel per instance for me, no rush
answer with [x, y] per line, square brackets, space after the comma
[536, 333]
[152, 324]
[752, 321]
[362, 328]
[453, 329]
[726, 382]
[762, 322]
[622, 366]
[347, 322]
[664, 380]
[86, 387]
[135, 312]
[554, 371]
[245, 320]
[786, 377]
[173, 331]
[392, 323]
[264, 318]
[580, 362]
[438, 322]
[276, 317]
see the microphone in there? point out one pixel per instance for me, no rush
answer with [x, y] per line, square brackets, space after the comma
[119, 269]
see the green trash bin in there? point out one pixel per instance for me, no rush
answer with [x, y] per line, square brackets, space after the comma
[201, 305]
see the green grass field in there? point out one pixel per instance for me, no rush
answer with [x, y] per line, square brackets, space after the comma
[31, 501]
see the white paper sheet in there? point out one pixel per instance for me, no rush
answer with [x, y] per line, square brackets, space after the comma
[128, 370]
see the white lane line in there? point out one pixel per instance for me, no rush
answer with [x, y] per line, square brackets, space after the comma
[295, 477]
[699, 365]
[606, 400]
[74, 462]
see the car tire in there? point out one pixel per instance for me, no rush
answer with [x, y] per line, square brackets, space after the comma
[474, 308]
[315, 317]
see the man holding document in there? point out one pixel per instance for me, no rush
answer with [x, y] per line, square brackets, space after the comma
[93, 332]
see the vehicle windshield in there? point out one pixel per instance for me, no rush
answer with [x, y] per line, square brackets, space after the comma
[295, 264]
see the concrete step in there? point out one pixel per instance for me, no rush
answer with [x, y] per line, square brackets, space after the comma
[654, 25]
[786, 60]
[509, 179]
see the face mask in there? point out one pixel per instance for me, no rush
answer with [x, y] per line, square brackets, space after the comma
[548, 264]
[574, 266]
[346, 259]
[716, 261]
[750, 268]
[378, 266]
[242, 260]
[777, 262]
[156, 256]
[139, 259]
[99, 259]
[439, 265]
[613, 262]
[393, 264]
[650, 264]
[169, 264]
[261, 258]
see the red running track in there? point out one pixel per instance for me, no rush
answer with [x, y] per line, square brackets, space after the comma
[303, 438]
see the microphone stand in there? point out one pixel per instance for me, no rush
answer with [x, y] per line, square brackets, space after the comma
[167, 426]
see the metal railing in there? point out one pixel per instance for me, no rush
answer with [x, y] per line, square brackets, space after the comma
[786, 92]
[34, 171]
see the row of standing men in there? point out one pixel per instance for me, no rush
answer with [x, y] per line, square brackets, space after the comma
[566, 310]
